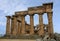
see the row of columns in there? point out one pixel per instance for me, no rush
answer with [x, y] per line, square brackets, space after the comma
[17, 29]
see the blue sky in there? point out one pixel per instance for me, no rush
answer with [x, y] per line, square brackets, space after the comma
[8, 7]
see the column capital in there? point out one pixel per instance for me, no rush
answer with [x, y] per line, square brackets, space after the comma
[12, 18]
[14, 15]
[40, 13]
[8, 16]
[50, 12]
[23, 15]
[31, 14]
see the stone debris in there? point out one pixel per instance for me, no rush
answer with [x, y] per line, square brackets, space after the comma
[39, 39]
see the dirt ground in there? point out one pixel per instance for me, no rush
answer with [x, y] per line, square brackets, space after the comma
[16, 40]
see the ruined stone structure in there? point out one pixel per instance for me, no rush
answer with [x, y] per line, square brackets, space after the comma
[16, 24]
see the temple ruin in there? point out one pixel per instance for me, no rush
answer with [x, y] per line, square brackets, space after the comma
[16, 24]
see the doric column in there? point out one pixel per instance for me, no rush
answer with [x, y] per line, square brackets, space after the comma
[31, 24]
[23, 24]
[14, 25]
[41, 29]
[8, 29]
[50, 24]
[19, 25]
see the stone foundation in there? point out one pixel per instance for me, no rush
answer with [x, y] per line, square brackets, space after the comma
[16, 40]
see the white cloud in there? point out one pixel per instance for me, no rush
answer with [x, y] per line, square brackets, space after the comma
[10, 6]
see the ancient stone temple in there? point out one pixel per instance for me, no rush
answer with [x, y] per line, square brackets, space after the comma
[16, 24]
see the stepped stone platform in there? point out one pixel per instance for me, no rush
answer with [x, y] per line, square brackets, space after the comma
[56, 37]
[20, 37]
[16, 40]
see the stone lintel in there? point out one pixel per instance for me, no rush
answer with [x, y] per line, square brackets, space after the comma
[21, 13]
[35, 12]
[35, 8]
[14, 15]
[40, 9]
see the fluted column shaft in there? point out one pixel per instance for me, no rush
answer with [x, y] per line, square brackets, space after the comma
[31, 24]
[19, 28]
[23, 25]
[50, 24]
[19, 25]
[8, 29]
[14, 26]
[41, 29]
